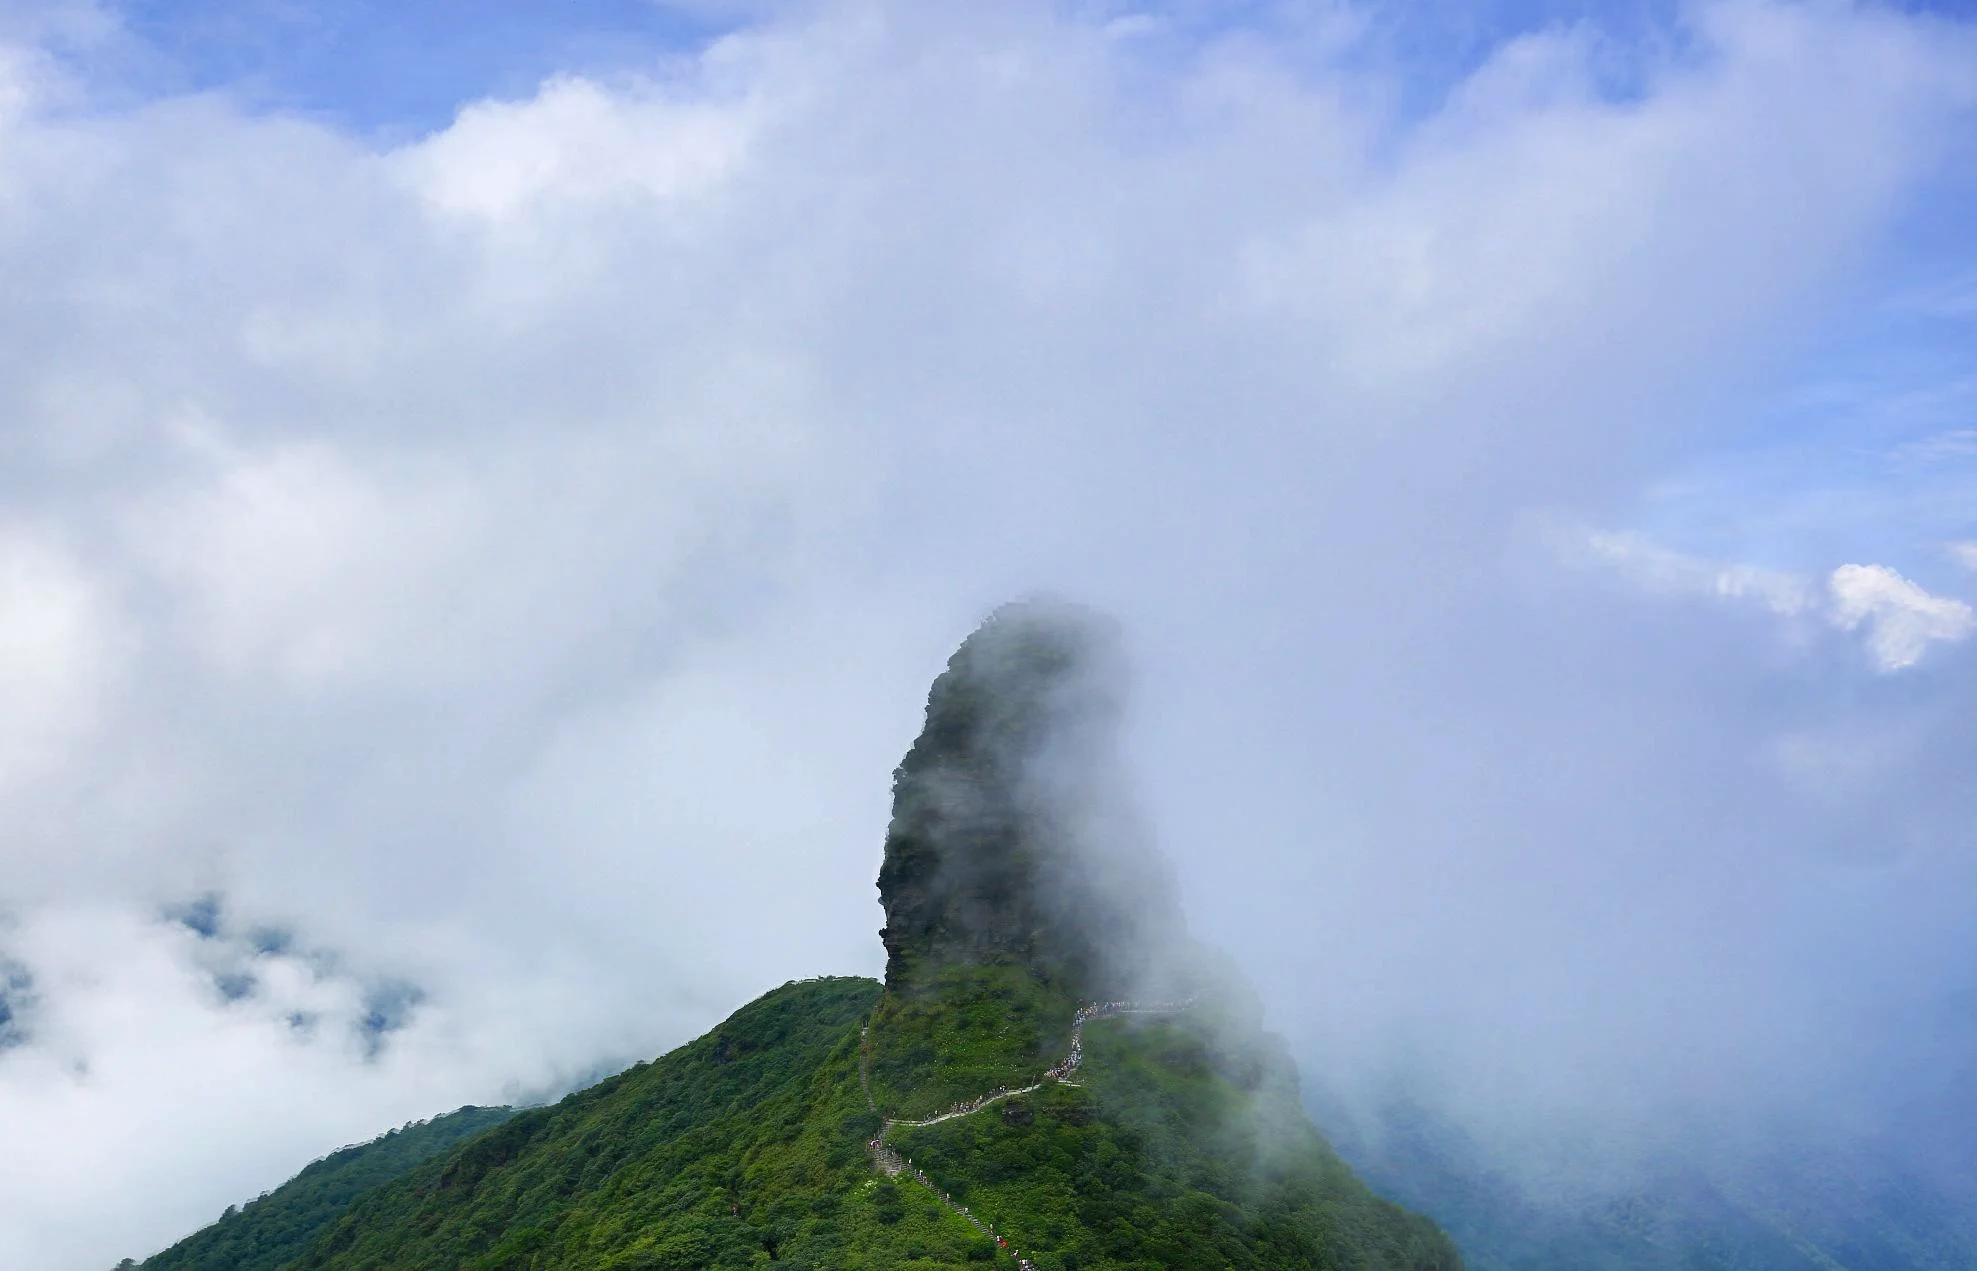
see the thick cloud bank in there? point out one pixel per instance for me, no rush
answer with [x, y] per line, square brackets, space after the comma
[460, 603]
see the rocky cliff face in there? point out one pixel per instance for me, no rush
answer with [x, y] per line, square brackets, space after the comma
[1012, 836]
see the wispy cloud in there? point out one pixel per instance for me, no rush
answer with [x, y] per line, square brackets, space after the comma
[1898, 620]
[1671, 573]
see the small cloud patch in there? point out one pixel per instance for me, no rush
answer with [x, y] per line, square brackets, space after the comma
[16, 1000]
[1660, 571]
[269, 970]
[388, 1007]
[200, 916]
[1897, 619]
[1901, 619]
[271, 941]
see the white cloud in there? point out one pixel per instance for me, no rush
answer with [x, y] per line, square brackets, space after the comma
[55, 655]
[514, 560]
[1902, 619]
[1898, 619]
[293, 563]
[1668, 572]
[135, 1046]
[575, 143]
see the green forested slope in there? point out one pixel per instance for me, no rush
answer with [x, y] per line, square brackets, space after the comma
[271, 1231]
[1179, 1143]
[740, 1149]
[748, 1148]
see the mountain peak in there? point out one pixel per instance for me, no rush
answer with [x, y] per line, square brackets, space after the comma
[1012, 837]
[1039, 1085]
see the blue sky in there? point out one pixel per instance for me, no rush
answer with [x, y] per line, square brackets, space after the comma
[1862, 439]
[406, 67]
[402, 68]
[394, 69]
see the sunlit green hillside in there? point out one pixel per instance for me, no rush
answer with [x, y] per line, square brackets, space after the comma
[272, 1231]
[751, 1148]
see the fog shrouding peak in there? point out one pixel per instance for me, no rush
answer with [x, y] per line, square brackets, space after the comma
[1013, 836]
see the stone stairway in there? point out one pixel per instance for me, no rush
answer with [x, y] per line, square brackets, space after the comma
[888, 1161]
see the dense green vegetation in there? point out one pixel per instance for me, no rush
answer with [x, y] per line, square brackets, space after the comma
[269, 1232]
[1176, 1149]
[747, 1148]
[964, 1029]
[743, 1148]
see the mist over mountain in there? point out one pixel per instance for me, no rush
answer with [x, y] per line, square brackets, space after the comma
[1789, 1200]
[1056, 1074]
[998, 1099]
[1013, 834]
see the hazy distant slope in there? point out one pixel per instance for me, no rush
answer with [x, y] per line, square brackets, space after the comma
[271, 1231]
[1814, 1208]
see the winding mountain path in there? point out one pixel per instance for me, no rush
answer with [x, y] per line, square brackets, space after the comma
[888, 1161]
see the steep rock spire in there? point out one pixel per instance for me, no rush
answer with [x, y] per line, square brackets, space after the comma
[1012, 837]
